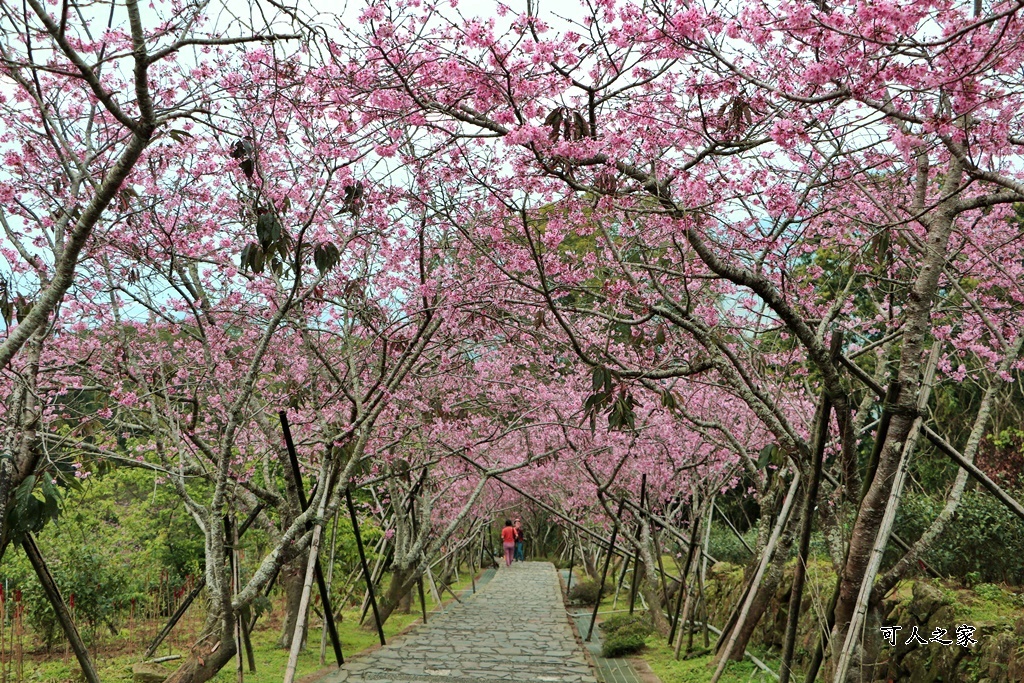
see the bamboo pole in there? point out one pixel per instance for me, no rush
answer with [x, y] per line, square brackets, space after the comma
[330, 580]
[636, 563]
[423, 598]
[307, 585]
[434, 593]
[888, 518]
[755, 582]
[229, 534]
[572, 559]
[621, 580]
[702, 575]
[690, 552]
[735, 531]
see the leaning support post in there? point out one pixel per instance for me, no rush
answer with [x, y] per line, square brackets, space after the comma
[60, 609]
[572, 559]
[756, 580]
[884, 528]
[423, 598]
[810, 501]
[471, 558]
[636, 562]
[604, 572]
[691, 550]
[307, 584]
[330, 579]
[362, 561]
[321, 584]
[229, 536]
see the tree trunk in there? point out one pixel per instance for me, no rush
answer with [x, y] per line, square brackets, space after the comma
[650, 586]
[590, 566]
[398, 594]
[291, 580]
[210, 654]
[770, 582]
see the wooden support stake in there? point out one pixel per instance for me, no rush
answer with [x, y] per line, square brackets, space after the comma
[60, 609]
[300, 621]
[362, 561]
[330, 579]
[572, 560]
[604, 572]
[423, 598]
[472, 569]
[803, 551]
[756, 580]
[686, 573]
[321, 584]
[230, 537]
[636, 563]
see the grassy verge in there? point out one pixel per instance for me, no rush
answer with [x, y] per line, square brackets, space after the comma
[697, 670]
[270, 659]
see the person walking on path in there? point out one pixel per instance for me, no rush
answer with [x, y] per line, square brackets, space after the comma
[520, 541]
[508, 541]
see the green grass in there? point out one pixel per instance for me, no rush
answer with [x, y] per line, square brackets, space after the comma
[697, 670]
[270, 659]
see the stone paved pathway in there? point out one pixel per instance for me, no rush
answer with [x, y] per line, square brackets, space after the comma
[514, 629]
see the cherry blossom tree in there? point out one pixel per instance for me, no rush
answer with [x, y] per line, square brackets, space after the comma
[751, 180]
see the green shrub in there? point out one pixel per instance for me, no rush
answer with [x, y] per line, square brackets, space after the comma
[620, 644]
[725, 547]
[625, 634]
[625, 621]
[586, 592]
[989, 591]
[983, 543]
[120, 541]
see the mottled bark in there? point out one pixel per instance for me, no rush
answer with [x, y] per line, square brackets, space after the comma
[917, 317]
[210, 653]
[290, 579]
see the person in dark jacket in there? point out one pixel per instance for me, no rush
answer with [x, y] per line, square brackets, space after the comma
[520, 541]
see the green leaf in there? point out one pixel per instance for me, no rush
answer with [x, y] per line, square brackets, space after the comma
[325, 257]
[765, 456]
[668, 400]
[24, 490]
[268, 229]
[257, 259]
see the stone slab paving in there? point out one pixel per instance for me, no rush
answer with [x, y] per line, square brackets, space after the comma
[514, 629]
